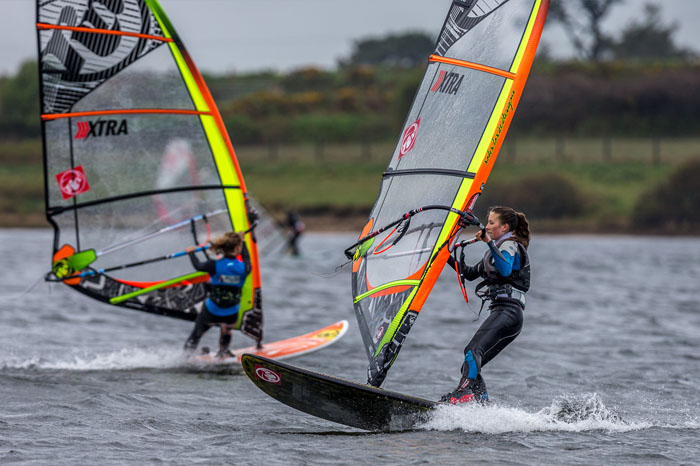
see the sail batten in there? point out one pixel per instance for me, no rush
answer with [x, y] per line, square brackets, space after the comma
[444, 155]
[475, 66]
[43, 26]
[133, 111]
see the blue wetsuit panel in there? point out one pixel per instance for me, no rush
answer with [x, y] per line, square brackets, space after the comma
[229, 272]
[505, 262]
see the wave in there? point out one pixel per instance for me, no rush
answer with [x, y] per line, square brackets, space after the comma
[567, 413]
[124, 359]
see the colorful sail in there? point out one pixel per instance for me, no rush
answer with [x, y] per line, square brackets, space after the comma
[138, 165]
[454, 130]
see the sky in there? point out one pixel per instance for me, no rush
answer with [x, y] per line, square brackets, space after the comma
[252, 35]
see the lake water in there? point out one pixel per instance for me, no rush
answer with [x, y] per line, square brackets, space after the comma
[605, 370]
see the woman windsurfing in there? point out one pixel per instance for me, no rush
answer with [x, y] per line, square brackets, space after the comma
[505, 271]
[228, 274]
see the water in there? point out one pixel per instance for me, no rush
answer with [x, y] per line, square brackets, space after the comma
[605, 370]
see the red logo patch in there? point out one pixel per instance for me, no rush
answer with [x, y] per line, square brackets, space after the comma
[263, 373]
[380, 332]
[409, 138]
[72, 182]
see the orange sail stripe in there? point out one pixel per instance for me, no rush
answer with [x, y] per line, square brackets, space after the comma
[433, 272]
[54, 116]
[44, 26]
[215, 113]
[199, 79]
[474, 66]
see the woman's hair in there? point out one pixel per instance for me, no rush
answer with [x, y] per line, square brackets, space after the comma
[227, 243]
[516, 221]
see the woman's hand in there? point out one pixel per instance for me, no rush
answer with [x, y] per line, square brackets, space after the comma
[482, 235]
[191, 249]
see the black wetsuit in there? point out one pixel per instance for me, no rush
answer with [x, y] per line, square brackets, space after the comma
[296, 227]
[223, 300]
[505, 320]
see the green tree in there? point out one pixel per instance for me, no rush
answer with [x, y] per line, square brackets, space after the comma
[649, 38]
[582, 22]
[19, 103]
[405, 50]
[673, 204]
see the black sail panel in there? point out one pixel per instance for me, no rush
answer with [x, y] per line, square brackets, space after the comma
[138, 165]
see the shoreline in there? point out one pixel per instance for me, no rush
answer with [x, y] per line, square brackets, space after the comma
[343, 222]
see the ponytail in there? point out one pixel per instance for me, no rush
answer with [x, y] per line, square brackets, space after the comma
[517, 223]
[227, 243]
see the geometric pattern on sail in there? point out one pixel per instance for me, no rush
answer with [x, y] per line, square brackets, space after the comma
[138, 164]
[443, 157]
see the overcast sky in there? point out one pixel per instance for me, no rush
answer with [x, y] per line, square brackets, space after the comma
[247, 35]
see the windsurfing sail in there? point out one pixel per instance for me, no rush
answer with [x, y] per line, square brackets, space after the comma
[451, 138]
[138, 165]
[271, 233]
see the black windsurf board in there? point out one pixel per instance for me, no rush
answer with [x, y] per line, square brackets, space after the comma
[349, 403]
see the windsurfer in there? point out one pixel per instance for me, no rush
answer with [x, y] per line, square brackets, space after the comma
[296, 227]
[228, 274]
[505, 270]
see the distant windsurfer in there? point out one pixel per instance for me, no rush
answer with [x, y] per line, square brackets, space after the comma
[505, 270]
[296, 227]
[228, 274]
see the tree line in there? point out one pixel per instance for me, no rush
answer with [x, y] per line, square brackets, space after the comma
[638, 82]
[364, 103]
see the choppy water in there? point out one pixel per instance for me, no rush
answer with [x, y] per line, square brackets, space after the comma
[605, 370]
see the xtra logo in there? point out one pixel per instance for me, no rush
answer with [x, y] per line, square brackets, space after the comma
[448, 83]
[263, 373]
[100, 128]
[72, 182]
[409, 138]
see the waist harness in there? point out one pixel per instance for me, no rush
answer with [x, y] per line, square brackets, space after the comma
[225, 295]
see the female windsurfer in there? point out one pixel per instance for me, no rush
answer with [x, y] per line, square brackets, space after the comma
[505, 270]
[227, 276]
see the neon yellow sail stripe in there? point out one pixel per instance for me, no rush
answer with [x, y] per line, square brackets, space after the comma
[481, 156]
[387, 285]
[398, 318]
[235, 200]
[491, 133]
[526, 38]
[174, 281]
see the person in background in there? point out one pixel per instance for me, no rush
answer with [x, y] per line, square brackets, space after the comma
[227, 276]
[296, 227]
[505, 274]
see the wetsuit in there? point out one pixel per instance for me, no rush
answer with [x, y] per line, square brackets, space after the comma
[296, 227]
[505, 270]
[227, 276]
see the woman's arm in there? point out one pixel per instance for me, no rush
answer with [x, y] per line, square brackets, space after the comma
[208, 266]
[469, 272]
[503, 259]
[246, 259]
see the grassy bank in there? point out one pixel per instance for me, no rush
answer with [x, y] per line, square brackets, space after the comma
[334, 186]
